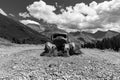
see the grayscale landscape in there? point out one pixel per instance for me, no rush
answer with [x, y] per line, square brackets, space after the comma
[59, 39]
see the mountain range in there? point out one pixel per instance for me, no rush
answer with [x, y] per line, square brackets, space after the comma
[104, 34]
[87, 37]
[16, 32]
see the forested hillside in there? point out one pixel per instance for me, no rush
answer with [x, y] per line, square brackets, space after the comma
[107, 43]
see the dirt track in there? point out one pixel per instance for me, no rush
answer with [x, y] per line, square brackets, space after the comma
[24, 63]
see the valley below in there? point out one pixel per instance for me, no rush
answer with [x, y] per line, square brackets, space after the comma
[23, 62]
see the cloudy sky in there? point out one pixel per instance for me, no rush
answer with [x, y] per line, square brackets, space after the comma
[70, 15]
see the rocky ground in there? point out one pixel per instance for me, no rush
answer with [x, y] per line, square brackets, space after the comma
[22, 62]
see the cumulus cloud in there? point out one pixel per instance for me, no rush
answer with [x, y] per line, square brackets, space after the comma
[24, 15]
[29, 22]
[2, 12]
[41, 10]
[92, 17]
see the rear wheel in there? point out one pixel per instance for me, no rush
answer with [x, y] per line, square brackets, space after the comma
[75, 49]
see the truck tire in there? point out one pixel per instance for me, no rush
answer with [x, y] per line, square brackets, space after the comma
[49, 49]
[66, 50]
[72, 48]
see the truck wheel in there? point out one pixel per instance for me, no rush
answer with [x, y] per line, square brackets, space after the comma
[75, 49]
[72, 48]
[49, 48]
[66, 50]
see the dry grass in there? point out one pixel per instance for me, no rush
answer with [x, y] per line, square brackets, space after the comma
[22, 62]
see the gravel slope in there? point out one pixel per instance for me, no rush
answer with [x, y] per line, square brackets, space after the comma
[24, 63]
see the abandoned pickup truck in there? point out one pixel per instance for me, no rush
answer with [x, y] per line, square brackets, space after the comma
[60, 45]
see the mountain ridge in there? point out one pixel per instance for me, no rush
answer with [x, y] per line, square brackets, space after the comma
[17, 32]
[92, 37]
